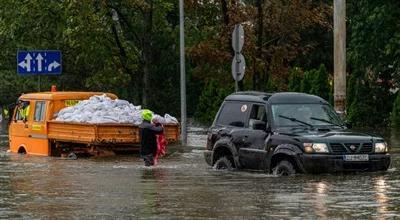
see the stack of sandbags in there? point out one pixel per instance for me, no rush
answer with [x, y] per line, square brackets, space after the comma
[102, 109]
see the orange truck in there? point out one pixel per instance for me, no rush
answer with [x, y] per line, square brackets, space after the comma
[40, 134]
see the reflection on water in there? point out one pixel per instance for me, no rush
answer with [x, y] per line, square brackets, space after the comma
[182, 186]
[381, 198]
[320, 200]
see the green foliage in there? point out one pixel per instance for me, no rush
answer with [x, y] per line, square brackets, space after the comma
[100, 53]
[306, 82]
[314, 81]
[210, 100]
[395, 116]
[373, 54]
[319, 83]
[295, 78]
[361, 105]
[131, 48]
[12, 86]
[272, 86]
[370, 105]
[374, 36]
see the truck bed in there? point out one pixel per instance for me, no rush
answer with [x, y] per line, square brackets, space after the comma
[102, 134]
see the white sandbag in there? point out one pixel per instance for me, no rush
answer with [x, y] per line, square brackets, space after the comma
[170, 120]
[159, 119]
[102, 109]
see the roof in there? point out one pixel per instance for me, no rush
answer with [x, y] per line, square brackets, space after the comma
[295, 97]
[280, 97]
[253, 96]
[63, 95]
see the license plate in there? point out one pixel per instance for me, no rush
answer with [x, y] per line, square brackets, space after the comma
[356, 157]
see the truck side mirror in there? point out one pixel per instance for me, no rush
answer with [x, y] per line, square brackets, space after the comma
[259, 125]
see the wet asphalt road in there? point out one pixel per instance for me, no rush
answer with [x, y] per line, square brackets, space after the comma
[182, 186]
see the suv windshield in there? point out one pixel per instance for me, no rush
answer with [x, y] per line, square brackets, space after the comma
[312, 114]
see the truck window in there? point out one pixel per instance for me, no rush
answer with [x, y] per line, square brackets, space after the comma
[233, 114]
[257, 113]
[40, 108]
[18, 115]
[22, 110]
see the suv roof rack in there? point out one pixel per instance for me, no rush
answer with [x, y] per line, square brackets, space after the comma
[250, 96]
[254, 93]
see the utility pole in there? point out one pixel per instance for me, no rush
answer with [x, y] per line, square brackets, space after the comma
[183, 74]
[339, 55]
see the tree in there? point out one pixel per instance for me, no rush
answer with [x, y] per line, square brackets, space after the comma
[210, 101]
[125, 47]
[320, 84]
[373, 51]
[268, 54]
[395, 116]
[295, 78]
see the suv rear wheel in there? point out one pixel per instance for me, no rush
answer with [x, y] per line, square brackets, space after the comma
[223, 163]
[284, 168]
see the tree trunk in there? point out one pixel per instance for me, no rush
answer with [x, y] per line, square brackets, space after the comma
[147, 53]
[224, 9]
[260, 30]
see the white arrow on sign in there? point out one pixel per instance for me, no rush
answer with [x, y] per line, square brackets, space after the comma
[26, 63]
[53, 65]
[39, 59]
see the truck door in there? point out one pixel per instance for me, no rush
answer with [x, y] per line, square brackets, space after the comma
[253, 156]
[19, 127]
[28, 131]
[38, 130]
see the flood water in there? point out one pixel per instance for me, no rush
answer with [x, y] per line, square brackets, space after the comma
[182, 186]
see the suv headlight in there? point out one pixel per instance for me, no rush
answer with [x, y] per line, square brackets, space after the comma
[380, 147]
[316, 147]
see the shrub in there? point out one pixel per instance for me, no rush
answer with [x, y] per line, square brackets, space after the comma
[210, 101]
[395, 117]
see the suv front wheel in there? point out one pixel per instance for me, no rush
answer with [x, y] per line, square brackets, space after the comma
[223, 163]
[284, 168]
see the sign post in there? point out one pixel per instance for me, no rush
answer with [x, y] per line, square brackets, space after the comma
[183, 72]
[238, 62]
[39, 62]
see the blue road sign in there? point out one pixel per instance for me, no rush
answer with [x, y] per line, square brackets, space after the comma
[39, 62]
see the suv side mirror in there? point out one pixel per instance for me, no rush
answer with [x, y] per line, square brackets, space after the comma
[259, 125]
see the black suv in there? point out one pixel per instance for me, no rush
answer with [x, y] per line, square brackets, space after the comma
[287, 133]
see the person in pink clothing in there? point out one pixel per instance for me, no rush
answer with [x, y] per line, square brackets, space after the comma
[161, 144]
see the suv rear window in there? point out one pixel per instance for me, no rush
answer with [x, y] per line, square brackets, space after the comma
[233, 113]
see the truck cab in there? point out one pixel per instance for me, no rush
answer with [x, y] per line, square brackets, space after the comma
[29, 133]
[287, 133]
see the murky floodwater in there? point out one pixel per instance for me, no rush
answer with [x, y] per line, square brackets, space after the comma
[183, 187]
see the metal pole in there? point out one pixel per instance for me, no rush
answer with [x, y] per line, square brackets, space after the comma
[183, 74]
[39, 82]
[339, 54]
[236, 85]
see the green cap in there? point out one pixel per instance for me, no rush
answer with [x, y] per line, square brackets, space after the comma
[147, 115]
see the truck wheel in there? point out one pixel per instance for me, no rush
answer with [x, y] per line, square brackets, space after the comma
[223, 163]
[21, 150]
[284, 168]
